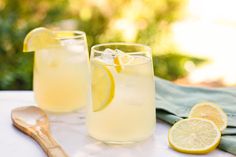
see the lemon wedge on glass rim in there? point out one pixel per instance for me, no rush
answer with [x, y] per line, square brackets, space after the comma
[194, 136]
[39, 38]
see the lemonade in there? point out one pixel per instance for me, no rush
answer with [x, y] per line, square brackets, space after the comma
[61, 69]
[123, 108]
[61, 79]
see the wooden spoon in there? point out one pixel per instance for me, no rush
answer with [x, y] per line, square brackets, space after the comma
[34, 122]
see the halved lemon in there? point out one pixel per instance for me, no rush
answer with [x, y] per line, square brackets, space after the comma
[103, 86]
[210, 111]
[194, 136]
[39, 38]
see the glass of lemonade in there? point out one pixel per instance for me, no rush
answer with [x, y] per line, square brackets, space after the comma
[61, 73]
[123, 93]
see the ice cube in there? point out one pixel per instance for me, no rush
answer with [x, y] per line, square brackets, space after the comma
[107, 56]
[77, 49]
[119, 52]
[69, 42]
[109, 53]
[126, 58]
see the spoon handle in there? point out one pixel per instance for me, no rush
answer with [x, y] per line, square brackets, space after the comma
[47, 142]
[56, 152]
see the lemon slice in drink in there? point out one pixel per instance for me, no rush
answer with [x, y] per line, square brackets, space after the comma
[210, 111]
[194, 136]
[121, 59]
[103, 86]
[39, 38]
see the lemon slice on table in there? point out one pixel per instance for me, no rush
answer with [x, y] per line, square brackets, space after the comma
[194, 136]
[103, 86]
[39, 38]
[210, 111]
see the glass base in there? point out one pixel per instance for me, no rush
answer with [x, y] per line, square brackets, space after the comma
[123, 142]
[61, 111]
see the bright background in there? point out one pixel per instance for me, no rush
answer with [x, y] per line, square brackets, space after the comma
[192, 40]
[209, 30]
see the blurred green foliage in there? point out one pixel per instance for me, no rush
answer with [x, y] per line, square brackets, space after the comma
[172, 66]
[143, 21]
[16, 19]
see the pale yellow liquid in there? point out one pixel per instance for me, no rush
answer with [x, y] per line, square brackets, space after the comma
[61, 79]
[130, 117]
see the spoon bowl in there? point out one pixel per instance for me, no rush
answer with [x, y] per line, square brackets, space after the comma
[25, 118]
[34, 122]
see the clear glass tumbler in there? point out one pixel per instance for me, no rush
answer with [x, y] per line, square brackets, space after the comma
[123, 93]
[61, 73]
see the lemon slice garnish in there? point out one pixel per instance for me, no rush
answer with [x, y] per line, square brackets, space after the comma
[194, 136]
[103, 86]
[120, 60]
[39, 38]
[210, 111]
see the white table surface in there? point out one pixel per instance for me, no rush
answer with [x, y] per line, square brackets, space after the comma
[70, 131]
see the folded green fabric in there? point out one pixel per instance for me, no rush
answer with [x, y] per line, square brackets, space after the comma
[174, 102]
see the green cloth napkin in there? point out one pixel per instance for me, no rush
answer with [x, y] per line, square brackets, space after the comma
[174, 102]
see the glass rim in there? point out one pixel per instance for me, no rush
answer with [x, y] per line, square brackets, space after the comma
[146, 50]
[70, 34]
[93, 48]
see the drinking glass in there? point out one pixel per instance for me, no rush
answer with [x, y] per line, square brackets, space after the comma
[61, 73]
[123, 93]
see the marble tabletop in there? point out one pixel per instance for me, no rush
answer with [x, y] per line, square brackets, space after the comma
[70, 131]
